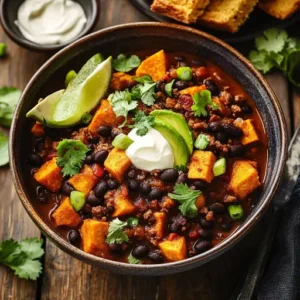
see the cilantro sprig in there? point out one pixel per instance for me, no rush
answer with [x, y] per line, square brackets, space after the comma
[126, 64]
[187, 198]
[116, 234]
[23, 257]
[142, 123]
[71, 154]
[201, 100]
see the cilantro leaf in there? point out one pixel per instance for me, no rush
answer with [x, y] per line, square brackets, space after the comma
[293, 63]
[143, 79]
[132, 260]
[126, 64]
[148, 93]
[116, 235]
[23, 257]
[200, 101]
[142, 123]
[3, 150]
[261, 61]
[71, 154]
[9, 98]
[187, 197]
[272, 40]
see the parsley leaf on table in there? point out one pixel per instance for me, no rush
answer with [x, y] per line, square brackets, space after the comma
[272, 40]
[23, 257]
[116, 235]
[142, 123]
[132, 260]
[71, 154]
[187, 197]
[126, 64]
[3, 150]
[200, 101]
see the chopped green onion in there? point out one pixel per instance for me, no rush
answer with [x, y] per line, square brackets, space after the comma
[122, 141]
[3, 49]
[132, 221]
[185, 73]
[86, 119]
[219, 167]
[77, 200]
[202, 141]
[236, 212]
[70, 76]
[169, 88]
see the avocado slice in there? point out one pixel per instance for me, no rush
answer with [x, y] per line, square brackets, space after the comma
[177, 143]
[179, 123]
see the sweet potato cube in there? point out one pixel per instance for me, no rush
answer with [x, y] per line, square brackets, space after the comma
[244, 178]
[84, 181]
[192, 90]
[123, 205]
[121, 81]
[93, 234]
[38, 130]
[65, 215]
[155, 66]
[104, 116]
[174, 250]
[200, 202]
[250, 135]
[160, 224]
[49, 175]
[117, 163]
[201, 166]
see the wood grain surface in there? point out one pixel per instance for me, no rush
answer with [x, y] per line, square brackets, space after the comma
[67, 278]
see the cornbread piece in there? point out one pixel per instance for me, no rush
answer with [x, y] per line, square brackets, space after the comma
[186, 11]
[201, 166]
[174, 250]
[93, 234]
[121, 81]
[244, 178]
[160, 224]
[49, 175]
[227, 15]
[84, 181]
[38, 130]
[104, 116]
[280, 9]
[117, 163]
[250, 135]
[122, 204]
[65, 215]
[155, 66]
[192, 90]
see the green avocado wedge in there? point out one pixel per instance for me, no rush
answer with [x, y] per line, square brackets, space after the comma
[177, 143]
[179, 123]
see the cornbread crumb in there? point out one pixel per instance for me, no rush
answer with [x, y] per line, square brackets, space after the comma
[280, 9]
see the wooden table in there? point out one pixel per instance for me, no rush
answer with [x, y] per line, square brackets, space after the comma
[67, 278]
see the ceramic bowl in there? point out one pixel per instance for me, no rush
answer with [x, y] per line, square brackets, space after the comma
[9, 14]
[130, 38]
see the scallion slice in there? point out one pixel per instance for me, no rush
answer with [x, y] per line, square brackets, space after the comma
[202, 141]
[122, 141]
[219, 167]
[184, 73]
[77, 200]
[236, 212]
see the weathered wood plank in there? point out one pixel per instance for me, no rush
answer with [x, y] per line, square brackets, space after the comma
[296, 107]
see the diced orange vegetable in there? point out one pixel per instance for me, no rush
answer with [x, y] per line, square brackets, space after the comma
[201, 166]
[122, 204]
[121, 81]
[250, 135]
[117, 163]
[84, 181]
[93, 234]
[174, 250]
[200, 202]
[192, 90]
[38, 130]
[160, 224]
[65, 215]
[155, 66]
[244, 178]
[49, 175]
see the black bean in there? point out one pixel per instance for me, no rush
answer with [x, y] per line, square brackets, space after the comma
[104, 131]
[181, 64]
[227, 224]
[156, 256]
[205, 234]
[91, 147]
[232, 130]
[222, 137]
[88, 159]
[115, 132]
[215, 127]
[39, 144]
[212, 87]
[73, 237]
[133, 185]
[132, 173]
[145, 188]
[67, 188]
[199, 184]
[217, 208]
[112, 184]
[246, 108]
[199, 62]
[35, 160]
[180, 84]
[236, 150]
[202, 246]
[101, 188]
[94, 140]
[115, 248]
[41, 194]
[179, 58]
[173, 227]
[110, 209]
[155, 194]
[206, 224]
[169, 175]
[93, 200]
[160, 86]
[182, 178]
[52, 133]
[100, 156]
[140, 251]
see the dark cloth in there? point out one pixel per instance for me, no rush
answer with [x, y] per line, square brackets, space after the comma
[281, 279]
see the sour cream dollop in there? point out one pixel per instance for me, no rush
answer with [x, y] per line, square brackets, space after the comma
[150, 152]
[51, 22]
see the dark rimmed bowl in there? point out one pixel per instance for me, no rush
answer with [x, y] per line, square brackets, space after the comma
[9, 13]
[131, 38]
